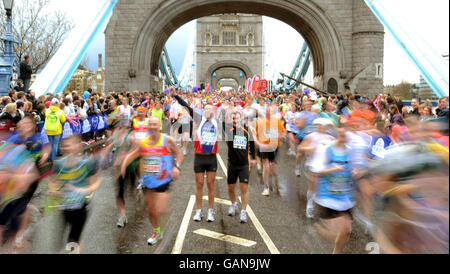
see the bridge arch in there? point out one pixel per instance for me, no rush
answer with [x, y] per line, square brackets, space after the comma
[344, 36]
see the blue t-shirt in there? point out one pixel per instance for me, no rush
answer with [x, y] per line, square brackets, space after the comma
[33, 144]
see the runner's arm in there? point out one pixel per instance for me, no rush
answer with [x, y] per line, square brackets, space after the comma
[131, 156]
[174, 150]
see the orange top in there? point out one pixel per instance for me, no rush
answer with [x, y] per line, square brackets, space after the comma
[270, 132]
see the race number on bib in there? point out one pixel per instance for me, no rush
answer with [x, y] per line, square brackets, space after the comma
[152, 166]
[338, 185]
[240, 142]
[208, 138]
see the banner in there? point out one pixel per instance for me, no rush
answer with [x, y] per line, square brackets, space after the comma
[93, 123]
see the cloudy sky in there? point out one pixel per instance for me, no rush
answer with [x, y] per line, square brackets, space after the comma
[427, 19]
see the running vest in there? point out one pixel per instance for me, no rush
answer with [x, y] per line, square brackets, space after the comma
[156, 163]
[335, 190]
[140, 128]
[206, 137]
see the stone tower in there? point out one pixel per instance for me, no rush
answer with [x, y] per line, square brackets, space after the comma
[229, 49]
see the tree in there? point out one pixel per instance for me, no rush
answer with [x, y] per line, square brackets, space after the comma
[402, 90]
[40, 33]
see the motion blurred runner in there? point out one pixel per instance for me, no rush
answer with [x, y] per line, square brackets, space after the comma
[160, 164]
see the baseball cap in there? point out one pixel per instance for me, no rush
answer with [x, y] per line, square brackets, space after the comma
[55, 101]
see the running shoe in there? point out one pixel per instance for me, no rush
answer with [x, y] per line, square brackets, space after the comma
[198, 215]
[298, 171]
[232, 210]
[310, 212]
[155, 238]
[243, 217]
[73, 248]
[211, 216]
[291, 153]
[122, 221]
[259, 169]
[266, 192]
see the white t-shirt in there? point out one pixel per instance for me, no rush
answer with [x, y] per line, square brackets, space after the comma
[321, 141]
[291, 117]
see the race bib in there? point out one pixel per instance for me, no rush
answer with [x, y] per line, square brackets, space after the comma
[338, 185]
[208, 138]
[152, 166]
[140, 135]
[272, 134]
[240, 142]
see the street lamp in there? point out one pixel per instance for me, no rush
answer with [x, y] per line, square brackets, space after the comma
[8, 60]
[8, 4]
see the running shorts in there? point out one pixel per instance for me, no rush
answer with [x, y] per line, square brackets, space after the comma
[161, 189]
[205, 163]
[269, 155]
[328, 213]
[240, 172]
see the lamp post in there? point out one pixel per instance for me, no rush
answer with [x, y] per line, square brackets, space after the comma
[8, 60]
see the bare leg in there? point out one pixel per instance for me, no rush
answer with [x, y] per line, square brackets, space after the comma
[266, 172]
[232, 193]
[244, 195]
[199, 182]
[210, 178]
[344, 226]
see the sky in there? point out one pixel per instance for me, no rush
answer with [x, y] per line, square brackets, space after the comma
[427, 19]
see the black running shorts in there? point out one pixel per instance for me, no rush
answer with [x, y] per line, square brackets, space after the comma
[328, 213]
[269, 155]
[205, 163]
[240, 172]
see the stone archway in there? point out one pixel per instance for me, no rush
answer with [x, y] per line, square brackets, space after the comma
[343, 36]
[227, 64]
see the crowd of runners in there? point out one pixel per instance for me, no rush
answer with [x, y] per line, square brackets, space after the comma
[370, 158]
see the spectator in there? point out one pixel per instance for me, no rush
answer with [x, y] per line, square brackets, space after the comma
[54, 118]
[26, 72]
[396, 116]
[398, 102]
[8, 120]
[415, 106]
[443, 110]
[13, 95]
[21, 109]
[19, 86]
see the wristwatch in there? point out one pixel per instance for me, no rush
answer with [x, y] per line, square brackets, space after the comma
[178, 166]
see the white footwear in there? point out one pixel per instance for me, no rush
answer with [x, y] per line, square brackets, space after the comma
[184, 151]
[291, 153]
[243, 217]
[156, 237]
[232, 210]
[73, 248]
[211, 216]
[298, 171]
[122, 221]
[259, 169]
[266, 192]
[198, 215]
[310, 212]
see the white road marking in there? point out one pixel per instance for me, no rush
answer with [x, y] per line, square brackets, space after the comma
[269, 243]
[225, 238]
[222, 164]
[218, 200]
[184, 226]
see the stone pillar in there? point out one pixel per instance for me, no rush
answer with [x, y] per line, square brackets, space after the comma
[367, 50]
